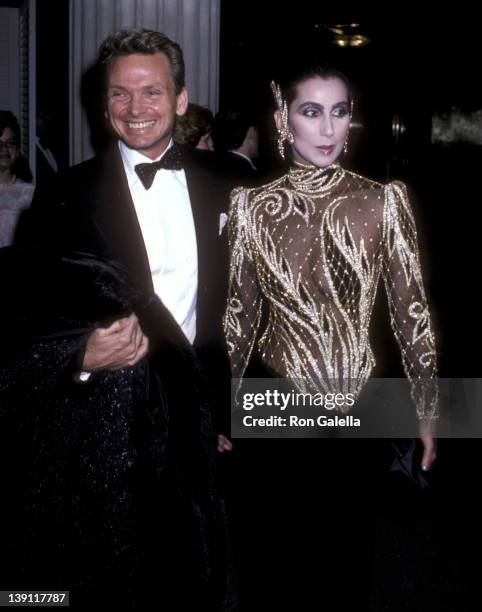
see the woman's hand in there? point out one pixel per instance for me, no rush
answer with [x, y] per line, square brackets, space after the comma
[427, 436]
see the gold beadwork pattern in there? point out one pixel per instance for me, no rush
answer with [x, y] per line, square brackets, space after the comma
[309, 250]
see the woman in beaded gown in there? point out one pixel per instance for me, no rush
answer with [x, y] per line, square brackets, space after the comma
[310, 248]
[308, 251]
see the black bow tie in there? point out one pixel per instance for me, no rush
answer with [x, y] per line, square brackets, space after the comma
[171, 160]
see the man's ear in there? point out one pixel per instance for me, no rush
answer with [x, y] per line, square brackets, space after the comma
[182, 102]
[277, 119]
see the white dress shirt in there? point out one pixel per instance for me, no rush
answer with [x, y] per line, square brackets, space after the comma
[166, 220]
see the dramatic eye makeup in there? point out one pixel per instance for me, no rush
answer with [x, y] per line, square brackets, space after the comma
[310, 109]
[313, 109]
[340, 109]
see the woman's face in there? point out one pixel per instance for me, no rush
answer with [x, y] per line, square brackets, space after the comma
[8, 149]
[319, 118]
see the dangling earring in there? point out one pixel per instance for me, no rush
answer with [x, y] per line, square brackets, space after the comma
[284, 133]
[345, 145]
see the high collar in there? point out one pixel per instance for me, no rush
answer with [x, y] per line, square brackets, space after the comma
[311, 178]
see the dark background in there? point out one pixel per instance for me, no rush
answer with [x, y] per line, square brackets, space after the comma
[53, 72]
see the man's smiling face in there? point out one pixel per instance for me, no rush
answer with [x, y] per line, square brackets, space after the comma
[142, 103]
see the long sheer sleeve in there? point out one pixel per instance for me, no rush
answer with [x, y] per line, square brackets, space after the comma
[243, 313]
[409, 312]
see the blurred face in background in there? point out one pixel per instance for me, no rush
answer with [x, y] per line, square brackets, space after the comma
[319, 118]
[142, 103]
[8, 149]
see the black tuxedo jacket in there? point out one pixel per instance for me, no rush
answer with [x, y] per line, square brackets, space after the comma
[91, 210]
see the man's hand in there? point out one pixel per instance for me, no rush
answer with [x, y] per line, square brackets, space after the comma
[119, 346]
[224, 444]
[429, 441]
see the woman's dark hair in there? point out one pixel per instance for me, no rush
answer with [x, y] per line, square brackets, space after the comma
[145, 42]
[8, 120]
[289, 86]
[193, 125]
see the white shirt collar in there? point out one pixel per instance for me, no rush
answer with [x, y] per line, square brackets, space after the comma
[47, 153]
[131, 158]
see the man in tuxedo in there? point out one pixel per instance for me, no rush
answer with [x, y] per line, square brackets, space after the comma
[150, 209]
[162, 223]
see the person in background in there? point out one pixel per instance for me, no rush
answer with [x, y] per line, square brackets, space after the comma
[16, 188]
[236, 143]
[194, 128]
[48, 167]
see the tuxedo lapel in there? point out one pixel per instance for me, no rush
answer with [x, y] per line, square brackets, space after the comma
[201, 218]
[208, 199]
[116, 220]
[205, 215]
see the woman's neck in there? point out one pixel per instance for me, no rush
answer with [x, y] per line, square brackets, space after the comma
[6, 176]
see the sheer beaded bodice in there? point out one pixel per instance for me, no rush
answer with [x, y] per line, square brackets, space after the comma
[308, 251]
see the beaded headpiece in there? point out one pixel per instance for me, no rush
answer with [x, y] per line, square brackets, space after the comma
[284, 133]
